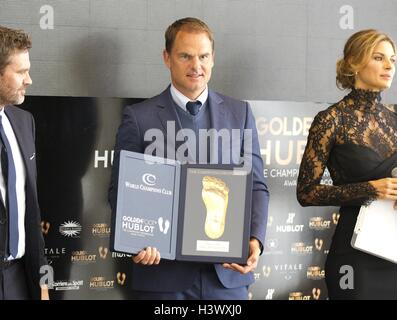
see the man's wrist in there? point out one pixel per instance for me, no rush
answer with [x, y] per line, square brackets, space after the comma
[259, 244]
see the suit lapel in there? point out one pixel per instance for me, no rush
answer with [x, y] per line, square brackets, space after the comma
[20, 136]
[218, 119]
[217, 110]
[167, 110]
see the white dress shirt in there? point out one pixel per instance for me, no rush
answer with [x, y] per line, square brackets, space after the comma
[20, 182]
[180, 99]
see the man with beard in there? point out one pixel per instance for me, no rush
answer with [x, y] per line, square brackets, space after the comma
[21, 240]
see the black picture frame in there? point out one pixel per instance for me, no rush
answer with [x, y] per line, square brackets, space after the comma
[195, 245]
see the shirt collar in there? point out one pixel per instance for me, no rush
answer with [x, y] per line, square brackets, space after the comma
[181, 100]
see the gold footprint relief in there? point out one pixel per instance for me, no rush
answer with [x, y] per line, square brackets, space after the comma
[215, 194]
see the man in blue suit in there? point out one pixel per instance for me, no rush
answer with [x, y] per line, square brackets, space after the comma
[188, 103]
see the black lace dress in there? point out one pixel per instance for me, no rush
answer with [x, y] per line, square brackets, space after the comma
[356, 139]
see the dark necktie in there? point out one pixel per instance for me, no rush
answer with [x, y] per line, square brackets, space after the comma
[9, 174]
[193, 107]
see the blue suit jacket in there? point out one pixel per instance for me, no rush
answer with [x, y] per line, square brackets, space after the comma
[225, 113]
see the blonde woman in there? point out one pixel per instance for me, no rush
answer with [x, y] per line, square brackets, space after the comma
[356, 139]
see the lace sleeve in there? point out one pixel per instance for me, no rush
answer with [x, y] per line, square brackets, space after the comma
[310, 192]
[392, 107]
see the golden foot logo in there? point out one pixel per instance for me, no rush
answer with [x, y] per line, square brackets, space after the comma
[266, 271]
[121, 278]
[215, 194]
[45, 226]
[103, 252]
[318, 243]
[316, 293]
[335, 217]
[166, 225]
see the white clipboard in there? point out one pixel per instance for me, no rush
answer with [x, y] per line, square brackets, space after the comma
[376, 230]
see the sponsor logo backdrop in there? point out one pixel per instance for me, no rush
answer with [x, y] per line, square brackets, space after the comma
[75, 140]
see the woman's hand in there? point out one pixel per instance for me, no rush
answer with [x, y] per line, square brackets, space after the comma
[386, 188]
